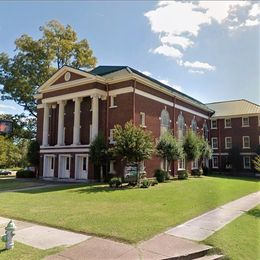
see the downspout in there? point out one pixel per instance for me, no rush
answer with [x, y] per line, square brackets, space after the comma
[219, 142]
[134, 101]
[174, 131]
[107, 114]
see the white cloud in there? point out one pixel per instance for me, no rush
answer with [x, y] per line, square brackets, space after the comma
[147, 73]
[168, 51]
[178, 23]
[196, 71]
[198, 65]
[167, 82]
[7, 107]
[164, 81]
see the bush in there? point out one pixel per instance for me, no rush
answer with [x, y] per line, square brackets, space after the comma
[197, 172]
[145, 183]
[182, 175]
[160, 175]
[25, 174]
[153, 182]
[115, 182]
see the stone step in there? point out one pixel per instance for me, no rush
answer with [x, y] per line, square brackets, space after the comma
[210, 257]
[192, 255]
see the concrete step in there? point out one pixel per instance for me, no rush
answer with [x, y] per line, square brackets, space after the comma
[210, 257]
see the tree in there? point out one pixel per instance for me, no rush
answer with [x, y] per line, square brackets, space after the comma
[169, 149]
[191, 147]
[36, 60]
[205, 150]
[256, 162]
[33, 153]
[132, 144]
[98, 153]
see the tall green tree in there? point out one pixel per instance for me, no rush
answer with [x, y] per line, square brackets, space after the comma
[205, 149]
[169, 149]
[133, 144]
[36, 60]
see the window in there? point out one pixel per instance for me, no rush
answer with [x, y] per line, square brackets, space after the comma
[205, 131]
[195, 164]
[194, 125]
[214, 143]
[113, 101]
[111, 136]
[214, 162]
[228, 142]
[214, 124]
[142, 119]
[181, 164]
[181, 126]
[84, 164]
[245, 121]
[228, 123]
[246, 142]
[165, 121]
[52, 163]
[67, 163]
[247, 162]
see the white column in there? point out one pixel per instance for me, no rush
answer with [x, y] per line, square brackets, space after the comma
[45, 134]
[94, 116]
[76, 127]
[60, 141]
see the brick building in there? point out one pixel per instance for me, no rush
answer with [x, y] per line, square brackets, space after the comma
[74, 106]
[235, 135]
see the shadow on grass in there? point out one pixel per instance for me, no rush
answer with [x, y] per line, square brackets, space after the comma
[3, 250]
[230, 177]
[254, 212]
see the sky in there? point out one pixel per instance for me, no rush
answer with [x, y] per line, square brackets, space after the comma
[206, 49]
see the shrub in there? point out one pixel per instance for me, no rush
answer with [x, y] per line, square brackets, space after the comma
[197, 172]
[182, 175]
[25, 174]
[145, 183]
[160, 175]
[115, 182]
[153, 182]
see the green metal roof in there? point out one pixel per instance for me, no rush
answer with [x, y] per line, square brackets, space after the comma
[104, 70]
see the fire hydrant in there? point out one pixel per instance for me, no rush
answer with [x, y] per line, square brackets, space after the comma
[9, 234]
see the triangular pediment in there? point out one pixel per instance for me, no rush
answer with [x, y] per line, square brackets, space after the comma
[65, 76]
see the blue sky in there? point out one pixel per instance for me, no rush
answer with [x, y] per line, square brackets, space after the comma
[209, 50]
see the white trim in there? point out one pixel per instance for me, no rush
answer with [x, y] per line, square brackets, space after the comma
[37, 96]
[226, 138]
[243, 140]
[214, 138]
[183, 162]
[245, 117]
[65, 150]
[220, 154]
[213, 166]
[248, 167]
[77, 165]
[150, 96]
[225, 120]
[84, 93]
[40, 106]
[211, 127]
[121, 91]
[248, 153]
[191, 111]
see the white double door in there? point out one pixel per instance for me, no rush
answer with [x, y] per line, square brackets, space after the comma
[81, 167]
[64, 166]
[49, 164]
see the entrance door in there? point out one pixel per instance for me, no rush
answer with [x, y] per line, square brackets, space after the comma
[49, 162]
[81, 167]
[64, 169]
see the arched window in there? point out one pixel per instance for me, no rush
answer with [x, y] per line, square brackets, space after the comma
[181, 126]
[194, 125]
[205, 131]
[165, 121]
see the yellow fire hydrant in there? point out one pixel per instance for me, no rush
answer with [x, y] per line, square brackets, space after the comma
[9, 234]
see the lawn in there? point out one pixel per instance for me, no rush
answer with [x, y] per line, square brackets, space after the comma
[10, 182]
[129, 215]
[24, 252]
[240, 239]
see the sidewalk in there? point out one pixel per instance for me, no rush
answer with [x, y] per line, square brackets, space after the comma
[176, 242]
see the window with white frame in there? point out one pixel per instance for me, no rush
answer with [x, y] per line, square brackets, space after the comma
[194, 125]
[214, 124]
[205, 131]
[165, 121]
[113, 101]
[245, 121]
[142, 119]
[228, 123]
[111, 136]
[246, 142]
[67, 163]
[228, 142]
[214, 162]
[181, 126]
[246, 162]
[181, 164]
[52, 163]
[214, 143]
[195, 164]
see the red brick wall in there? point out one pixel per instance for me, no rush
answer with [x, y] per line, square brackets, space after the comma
[73, 76]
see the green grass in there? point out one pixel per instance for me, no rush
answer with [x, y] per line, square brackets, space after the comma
[130, 215]
[24, 252]
[239, 240]
[10, 183]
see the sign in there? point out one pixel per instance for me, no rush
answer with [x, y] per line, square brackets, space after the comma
[6, 126]
[130, 173]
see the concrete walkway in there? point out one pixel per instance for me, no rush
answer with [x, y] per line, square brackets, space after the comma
[205, 225]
